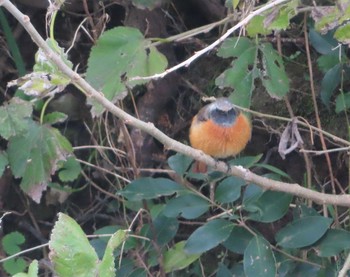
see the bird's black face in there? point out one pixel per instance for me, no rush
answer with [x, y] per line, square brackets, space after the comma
[224, 118]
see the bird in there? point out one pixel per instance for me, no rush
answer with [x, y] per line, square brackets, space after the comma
[220, 130]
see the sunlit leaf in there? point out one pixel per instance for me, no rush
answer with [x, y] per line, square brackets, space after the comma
[120, 54]
[70, 250]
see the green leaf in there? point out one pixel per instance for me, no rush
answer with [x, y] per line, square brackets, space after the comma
[15, 266]
[177, 258]
[342, 102]
[11, 242]
[12, 117]
[329, 83]
[229, 190]
[256, 26]
[3, 162]
[246, 161]
[54, 117]
[251, 195]
[324, 44]
[270, 206]
[279, 17]
[149, 188]
[120, 54]
[326, 62]
[238, 240]
[208, 236]
[33, 270]
[70, 250]
[46, 79]
[303, 232]
[259, 259]
[165, 229]
[240, 76]
[34, 156]
[107, 267]
[334, 242]
[273, 169]
[70, 170]
[273, 76]
[179, 163]
[188, 206]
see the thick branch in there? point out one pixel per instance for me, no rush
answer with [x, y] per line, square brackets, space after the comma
[248, 176]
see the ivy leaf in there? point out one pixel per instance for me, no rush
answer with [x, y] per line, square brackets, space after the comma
[35, 155]
[12, 117]
[120, 54]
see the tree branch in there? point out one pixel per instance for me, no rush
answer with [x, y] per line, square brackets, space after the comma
[248, 176]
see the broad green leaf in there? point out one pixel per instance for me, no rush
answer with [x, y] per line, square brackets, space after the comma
[3, 162]
[188, 206]
[342, 102]
[165, 229]
[229, 190]
[334, 242]
[149, 188]
[251, 195]
[238, 240]
[11, 242]
[107, 268]
[119, 55]
[14, 266]
[55, 117]
[270, 206]
[279, 17]
[246, 161]
[70, 250]
[240, 76]
[273, 169]
[256, 26]
[303, 232]
[324, 44]
[12, 117]
[179, 163]
[208, 236]
[33, 270]
[258, 259]
[342, 34]
[329, 83]
[70, 170]
[326, 62]
[273, 75]
[34, 156]
[235, 47]
[176, 258]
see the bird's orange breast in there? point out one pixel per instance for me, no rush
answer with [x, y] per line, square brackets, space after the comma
[219, 141]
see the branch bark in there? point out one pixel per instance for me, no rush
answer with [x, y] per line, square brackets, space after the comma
[248, 176]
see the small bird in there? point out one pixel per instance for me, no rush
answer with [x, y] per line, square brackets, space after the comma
[220, 130]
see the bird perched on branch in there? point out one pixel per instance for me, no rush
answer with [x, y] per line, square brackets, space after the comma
[220, 130]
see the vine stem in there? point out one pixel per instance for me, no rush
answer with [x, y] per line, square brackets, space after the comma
[248, 176]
